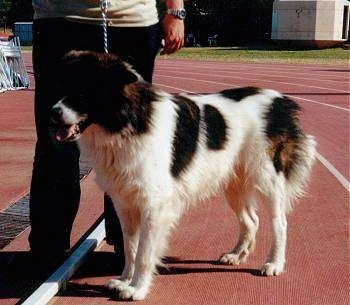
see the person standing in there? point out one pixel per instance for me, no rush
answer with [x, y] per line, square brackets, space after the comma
[134, 34]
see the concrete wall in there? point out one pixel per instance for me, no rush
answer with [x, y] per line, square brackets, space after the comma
[338, 26]
[325, 20]
[308, 20]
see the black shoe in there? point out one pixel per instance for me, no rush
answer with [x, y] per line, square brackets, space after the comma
[44, 264]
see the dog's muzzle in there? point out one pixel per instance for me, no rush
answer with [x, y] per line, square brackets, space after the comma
[65, 131]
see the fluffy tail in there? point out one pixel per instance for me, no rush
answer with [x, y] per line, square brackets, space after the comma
[305, 155]
[291, 151]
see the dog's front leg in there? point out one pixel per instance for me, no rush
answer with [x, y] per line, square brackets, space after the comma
[146, 258]
[130, 223]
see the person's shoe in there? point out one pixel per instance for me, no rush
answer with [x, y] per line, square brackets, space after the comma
[44, 264]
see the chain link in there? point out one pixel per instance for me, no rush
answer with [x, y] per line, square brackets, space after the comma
[104, 10]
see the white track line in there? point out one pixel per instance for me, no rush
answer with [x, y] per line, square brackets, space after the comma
[263, 68]
[265, 80]
[319, 103]
[343, 181]
[273, 66]
[52, 285]
[232, 85]
[328, 165]
[278, 73]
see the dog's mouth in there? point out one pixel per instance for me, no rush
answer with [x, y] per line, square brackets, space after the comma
[69, 133]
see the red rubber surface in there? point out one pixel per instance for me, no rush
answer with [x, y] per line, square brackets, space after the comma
[318, 242]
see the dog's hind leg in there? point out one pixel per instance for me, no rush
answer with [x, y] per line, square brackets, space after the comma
[277, 204]
[241, 198]
[130, 223]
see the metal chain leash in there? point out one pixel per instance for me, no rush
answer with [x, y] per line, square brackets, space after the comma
[104, 9]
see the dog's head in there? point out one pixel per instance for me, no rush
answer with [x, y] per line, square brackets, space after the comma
[90, 82]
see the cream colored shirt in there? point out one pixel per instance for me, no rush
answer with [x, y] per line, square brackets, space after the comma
[128, 13]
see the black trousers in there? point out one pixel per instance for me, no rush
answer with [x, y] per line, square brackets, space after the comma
[55, 189]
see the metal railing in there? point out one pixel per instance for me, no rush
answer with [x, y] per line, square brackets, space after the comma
[13, 73]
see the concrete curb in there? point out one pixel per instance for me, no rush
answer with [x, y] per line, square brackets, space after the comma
[53, 284]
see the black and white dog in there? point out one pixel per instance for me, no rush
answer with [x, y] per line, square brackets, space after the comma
[157, 154]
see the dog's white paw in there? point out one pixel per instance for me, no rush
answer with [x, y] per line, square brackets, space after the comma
[118, 285]
[230, 259]
[272, 268]
[233, 258]
[132, 293]
[127, 292]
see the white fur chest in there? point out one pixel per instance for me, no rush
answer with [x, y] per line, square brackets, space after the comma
[113, 157]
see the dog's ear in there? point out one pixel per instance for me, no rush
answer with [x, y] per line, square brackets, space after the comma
[80, 69]
[120, 73]
[106, 68]
[78, 60]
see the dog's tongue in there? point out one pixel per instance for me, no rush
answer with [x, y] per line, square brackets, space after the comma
[63, 134]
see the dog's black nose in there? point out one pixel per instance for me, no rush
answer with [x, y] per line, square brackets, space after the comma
[56, 115]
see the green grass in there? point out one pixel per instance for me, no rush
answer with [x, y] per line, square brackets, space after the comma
[26, 48]
[268, 54]
[262, 54]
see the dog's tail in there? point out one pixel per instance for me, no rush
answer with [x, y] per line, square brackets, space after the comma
[298, 176]
[291, 151]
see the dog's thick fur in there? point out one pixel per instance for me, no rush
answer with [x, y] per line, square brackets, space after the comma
[157, 154]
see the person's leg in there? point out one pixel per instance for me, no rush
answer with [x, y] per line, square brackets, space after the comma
[139, 47]
[55, 189]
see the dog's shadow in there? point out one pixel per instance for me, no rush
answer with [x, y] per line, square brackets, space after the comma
[17, 273]
[174, 265]
[106, 264]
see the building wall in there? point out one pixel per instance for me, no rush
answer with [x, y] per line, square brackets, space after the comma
[338, 26]
[294, 20]
[325, 20]
[303, 20]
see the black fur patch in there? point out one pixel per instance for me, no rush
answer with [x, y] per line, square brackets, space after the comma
[215, 128]
[284, 133]
[103, 88]
[239, 94]
[130, 108]
[186, 135]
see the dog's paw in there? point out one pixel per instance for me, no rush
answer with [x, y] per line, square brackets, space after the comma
[126, 293]
[234, 259]
[117, 285]
[132, 293]
[272, 268]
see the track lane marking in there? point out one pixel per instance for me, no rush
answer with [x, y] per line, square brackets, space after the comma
[232, 85]
[266, 80]
[343, 181]
[273, 66]
[262, 74]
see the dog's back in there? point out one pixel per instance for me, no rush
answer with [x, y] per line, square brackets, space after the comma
[198, 144]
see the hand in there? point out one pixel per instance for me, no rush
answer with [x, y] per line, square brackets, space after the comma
[174, 33]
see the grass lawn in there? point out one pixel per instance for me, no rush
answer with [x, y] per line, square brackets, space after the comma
[268, 54]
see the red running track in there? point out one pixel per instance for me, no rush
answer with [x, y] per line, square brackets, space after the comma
[318, 230]
[317, 254]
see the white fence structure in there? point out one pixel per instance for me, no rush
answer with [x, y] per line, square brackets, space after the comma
[13, 73]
